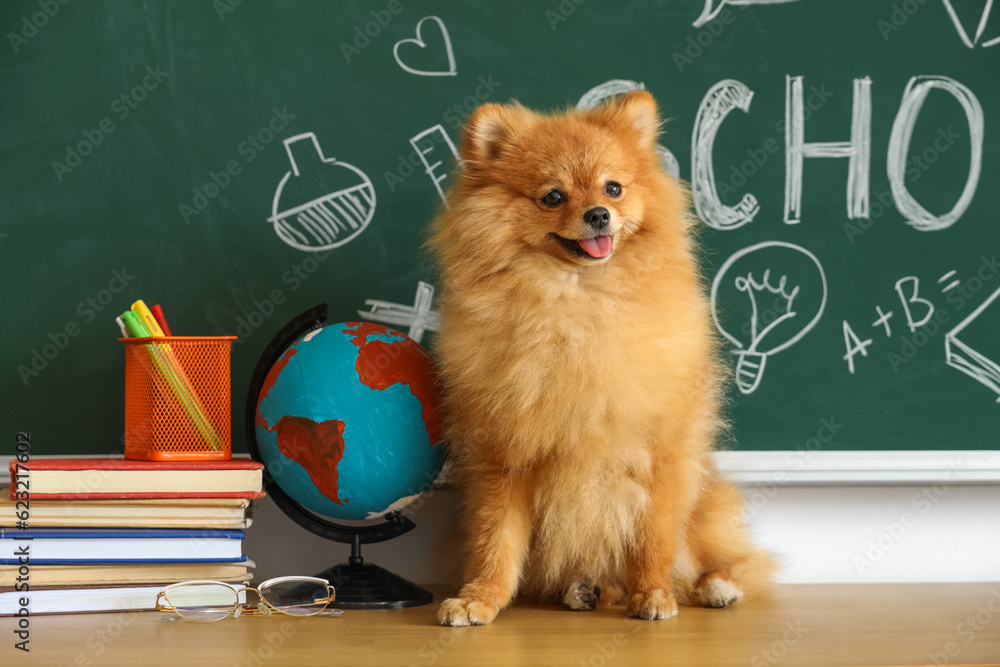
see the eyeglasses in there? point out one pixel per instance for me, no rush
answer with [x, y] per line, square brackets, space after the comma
[207, 601]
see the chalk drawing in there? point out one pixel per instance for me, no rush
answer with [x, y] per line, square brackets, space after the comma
[721, 99]
[854, 346]
[950, 286]
[968, 344]
[602, 91]
[883, 321]
[668, 161]
[419, 316]
[984, 18]
[321, 203]
[425, 143]
[899, 145]
[913, 298]
[419, 41]
[857, 150]
[797, 298]
[713, 7]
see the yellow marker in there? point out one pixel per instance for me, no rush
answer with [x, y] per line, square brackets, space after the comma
[147, 318]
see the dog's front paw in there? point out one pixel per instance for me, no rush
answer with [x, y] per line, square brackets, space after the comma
[466, 611]
[581, 596]
[654, 605]
[717, 592]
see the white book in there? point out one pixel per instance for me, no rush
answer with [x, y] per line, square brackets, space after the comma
[77, 600]
[54, 546]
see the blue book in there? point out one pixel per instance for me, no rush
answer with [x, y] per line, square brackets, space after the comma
[68, 546]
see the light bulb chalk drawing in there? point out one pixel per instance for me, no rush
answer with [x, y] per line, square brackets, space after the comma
[968, 344]
[419, 41]
[800, 290]
[314, 223]
[602, 91]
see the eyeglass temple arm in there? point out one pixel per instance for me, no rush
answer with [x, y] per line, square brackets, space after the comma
[163, 607]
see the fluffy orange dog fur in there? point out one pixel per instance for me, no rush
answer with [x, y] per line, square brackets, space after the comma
[582, 388]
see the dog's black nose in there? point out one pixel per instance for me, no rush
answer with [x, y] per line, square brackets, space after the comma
[597, 217]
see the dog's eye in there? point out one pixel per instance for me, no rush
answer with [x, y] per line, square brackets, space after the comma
[552, 198]
[613, 189]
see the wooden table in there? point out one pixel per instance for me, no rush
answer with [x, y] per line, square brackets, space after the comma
[801, 625]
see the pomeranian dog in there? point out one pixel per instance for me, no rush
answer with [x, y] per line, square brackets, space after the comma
[580, 372]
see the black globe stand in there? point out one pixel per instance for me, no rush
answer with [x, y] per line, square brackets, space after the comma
[362, 585]
[358, 585]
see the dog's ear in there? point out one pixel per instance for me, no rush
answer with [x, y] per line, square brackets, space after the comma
[637, 111]
[489, 131]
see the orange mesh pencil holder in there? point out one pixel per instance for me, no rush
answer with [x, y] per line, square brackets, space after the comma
[177, 398]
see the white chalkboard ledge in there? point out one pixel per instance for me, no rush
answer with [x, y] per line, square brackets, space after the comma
[802, 467]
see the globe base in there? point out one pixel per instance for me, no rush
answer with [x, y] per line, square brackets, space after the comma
[362, 585]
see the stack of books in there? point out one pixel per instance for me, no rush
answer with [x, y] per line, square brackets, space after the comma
[108, 534]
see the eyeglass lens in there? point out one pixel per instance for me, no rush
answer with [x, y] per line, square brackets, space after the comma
[299, 597]
[202, 602]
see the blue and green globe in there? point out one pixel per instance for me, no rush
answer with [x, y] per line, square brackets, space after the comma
[346, 421]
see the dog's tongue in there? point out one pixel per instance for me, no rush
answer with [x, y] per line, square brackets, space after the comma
[599, 246]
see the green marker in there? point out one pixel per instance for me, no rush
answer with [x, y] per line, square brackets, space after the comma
[135, 324]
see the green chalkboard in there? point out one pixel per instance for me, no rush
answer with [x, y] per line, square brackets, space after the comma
[239, 162]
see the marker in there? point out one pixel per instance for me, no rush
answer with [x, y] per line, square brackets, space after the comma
[161, 319]
[134, 324]
[147, 318]
[121, 325]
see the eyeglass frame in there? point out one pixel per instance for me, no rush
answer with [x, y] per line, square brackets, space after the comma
[264, 607]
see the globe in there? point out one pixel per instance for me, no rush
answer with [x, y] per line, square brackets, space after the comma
[346, 421]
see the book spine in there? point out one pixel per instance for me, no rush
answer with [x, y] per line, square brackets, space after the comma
[121, 561]
[248, 495]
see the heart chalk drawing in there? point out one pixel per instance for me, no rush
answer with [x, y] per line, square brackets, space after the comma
[419, 41]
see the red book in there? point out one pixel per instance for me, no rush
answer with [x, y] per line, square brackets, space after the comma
[90, 478]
